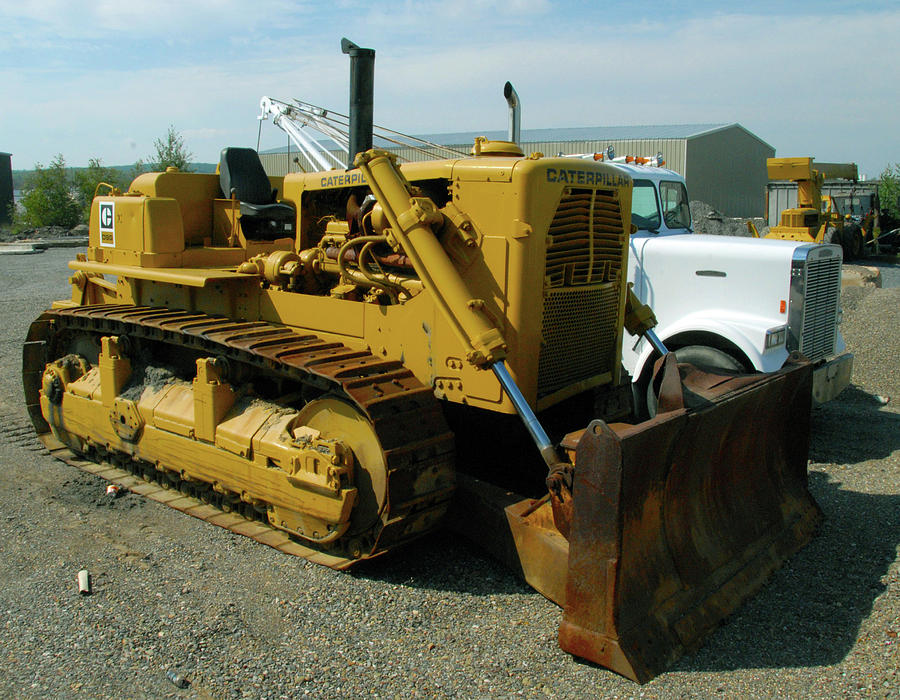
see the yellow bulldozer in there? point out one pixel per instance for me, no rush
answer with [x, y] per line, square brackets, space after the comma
[335, 363]
[817, 219]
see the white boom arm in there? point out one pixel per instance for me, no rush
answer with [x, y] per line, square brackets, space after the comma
[293, 117]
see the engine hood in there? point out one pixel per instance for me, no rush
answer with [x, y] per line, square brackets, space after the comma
[697, 248]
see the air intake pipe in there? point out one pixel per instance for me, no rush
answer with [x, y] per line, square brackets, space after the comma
[362, 82]
[515, 111]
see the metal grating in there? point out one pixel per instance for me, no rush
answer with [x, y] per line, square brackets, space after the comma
[586, 239]
[820, 307]
[579, 335]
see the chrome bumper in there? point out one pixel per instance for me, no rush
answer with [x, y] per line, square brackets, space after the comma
[831, 378]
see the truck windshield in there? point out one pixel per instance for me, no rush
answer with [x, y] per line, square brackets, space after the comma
[676, 211]
[644, 207]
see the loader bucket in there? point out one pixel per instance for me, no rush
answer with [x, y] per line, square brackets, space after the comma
[679, 519]
[674, 521]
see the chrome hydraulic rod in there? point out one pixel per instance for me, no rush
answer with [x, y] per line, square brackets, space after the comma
[548, 452]
[654, 340]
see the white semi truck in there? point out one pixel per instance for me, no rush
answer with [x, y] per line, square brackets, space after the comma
[739, 304]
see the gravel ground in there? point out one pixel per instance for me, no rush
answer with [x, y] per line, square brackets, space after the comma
[238, 619]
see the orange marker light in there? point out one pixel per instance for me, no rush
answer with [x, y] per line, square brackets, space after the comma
[783, 306]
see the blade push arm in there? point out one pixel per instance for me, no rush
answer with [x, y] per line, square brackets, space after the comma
[411, 220]
[640, 320]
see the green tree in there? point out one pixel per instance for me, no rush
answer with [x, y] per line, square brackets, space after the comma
[47, 198]
[171, 151]
[889, 190]
[87, 180]
[139, 168]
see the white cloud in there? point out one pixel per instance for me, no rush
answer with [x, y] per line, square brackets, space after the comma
[436, 72]
[160, 17]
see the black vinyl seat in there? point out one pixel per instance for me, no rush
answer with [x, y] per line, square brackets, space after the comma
[241, 175]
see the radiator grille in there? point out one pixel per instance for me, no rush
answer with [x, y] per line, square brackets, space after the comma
[582, 286]
[587, 239]
[820, 306]
[579, 335]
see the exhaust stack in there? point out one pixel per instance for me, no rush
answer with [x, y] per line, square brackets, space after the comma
[515, 111]
[362, 81]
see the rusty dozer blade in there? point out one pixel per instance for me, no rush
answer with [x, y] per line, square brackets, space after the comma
[678, 520]
[674, 521]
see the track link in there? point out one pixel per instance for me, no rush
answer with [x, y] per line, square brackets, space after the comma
[406, 417]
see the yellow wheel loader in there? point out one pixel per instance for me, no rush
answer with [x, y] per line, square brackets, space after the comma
[335, 363]
[816, 219]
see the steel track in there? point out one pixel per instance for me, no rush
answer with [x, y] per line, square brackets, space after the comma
[405, 415]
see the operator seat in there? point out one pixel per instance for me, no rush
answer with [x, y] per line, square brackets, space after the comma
[241, 176]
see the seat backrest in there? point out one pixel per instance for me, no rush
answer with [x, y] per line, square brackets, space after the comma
[241, 170]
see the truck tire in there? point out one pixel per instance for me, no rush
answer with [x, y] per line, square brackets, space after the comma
[703, 357]
[854, 244]
[833, 236]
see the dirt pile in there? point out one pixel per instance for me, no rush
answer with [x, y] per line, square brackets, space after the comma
[708, 220]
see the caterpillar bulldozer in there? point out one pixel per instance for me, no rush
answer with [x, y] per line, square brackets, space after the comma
[334, 363]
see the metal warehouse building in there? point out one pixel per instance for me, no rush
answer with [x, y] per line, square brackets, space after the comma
[724, 165]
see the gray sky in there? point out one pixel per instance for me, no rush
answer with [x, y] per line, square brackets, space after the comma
[104, 79]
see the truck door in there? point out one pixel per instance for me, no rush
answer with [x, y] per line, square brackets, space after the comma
[645, 214]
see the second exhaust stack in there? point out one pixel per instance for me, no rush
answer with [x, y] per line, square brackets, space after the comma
[515, 111]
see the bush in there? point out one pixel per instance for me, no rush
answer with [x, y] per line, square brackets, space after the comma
[47, 198]
[87, 180]
[171, 151]
[889, 191]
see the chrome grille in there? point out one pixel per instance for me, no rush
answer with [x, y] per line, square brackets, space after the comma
[823, 290]
[815, 301]
[579, 335]
[587, 239]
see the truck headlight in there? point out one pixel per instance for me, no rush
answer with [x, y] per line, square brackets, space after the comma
[775, 337]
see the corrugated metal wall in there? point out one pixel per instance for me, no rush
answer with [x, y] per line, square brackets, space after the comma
[727, 170]
[673, 151]
[781, 196]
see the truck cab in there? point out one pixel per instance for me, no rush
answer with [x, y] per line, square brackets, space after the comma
[730, 303]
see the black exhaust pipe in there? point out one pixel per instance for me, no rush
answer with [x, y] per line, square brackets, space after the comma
[362, 83]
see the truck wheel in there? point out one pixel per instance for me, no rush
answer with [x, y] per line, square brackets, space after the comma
[703, 357]
[833, 236]
[851, 241]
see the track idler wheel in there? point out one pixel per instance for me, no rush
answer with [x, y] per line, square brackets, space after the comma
[335, 419]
